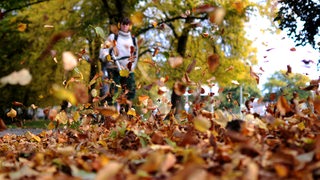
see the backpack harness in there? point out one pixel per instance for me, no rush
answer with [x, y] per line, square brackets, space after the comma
[125, 57]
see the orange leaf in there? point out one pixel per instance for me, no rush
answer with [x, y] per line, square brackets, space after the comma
[107, 111]
[213, 62]
[143, 98]
[281, 170]
[179, 88]
[22, 27]
[283, 105]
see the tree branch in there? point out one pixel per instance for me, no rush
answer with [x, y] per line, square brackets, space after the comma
[22, 6]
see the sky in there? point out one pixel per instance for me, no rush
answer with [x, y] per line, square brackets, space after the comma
[276, 51]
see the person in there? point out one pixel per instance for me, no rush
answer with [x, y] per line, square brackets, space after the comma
[120, 54]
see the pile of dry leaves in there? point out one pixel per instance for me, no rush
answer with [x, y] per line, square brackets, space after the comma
[200, 145]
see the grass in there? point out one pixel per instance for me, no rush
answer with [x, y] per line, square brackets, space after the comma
[41, 124]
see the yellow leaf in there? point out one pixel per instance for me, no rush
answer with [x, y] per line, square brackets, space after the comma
[201, 123]
[137, 18]
[132, 112]
[22, 27]
[124, 73]
[76, 116]
[12, 113]
[301, 126]
[51, 125]
[62, 117]
[64, 94]
[31, 136]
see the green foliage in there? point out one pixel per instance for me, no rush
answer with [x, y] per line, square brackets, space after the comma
[285, 84]
[230, 97]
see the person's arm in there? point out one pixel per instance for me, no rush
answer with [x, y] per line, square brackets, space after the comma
[106, 47]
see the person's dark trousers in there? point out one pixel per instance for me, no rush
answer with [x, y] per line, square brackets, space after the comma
[126, 83]
[131, 86]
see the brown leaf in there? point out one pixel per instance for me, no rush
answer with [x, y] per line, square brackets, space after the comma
[81, 93]
[205, 8]
[179, 88]
[289, 70]
[191, 66]
[254, 75]
[293, 49]
[156, 51]
[316, 104]
[272, 96]
[283, 105]
[213, 62]
[54, 39]
[107, 111]
[2, 125]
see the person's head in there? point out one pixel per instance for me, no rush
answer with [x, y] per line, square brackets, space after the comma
[125, 24]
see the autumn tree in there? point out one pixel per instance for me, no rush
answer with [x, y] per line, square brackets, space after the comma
[283, 83]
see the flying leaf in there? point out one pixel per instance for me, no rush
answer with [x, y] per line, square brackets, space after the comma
[235, 82]
[175, 61]
[283, 105]
[229, 68]
[12, 113]
[179, 88]
[254, 75]
[137, 18]
[205, 8]
[124, 73]
[81, 93]
[293, 49]
[217, 15]
[64, 94]
[191, 66]
[289, 70]
[156, 51]
[62, 117]
[213, 62]
[201, 123]
[22, 77]
[69, 61]
[100, 33]
[22, 27]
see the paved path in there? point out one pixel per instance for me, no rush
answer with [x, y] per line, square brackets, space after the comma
[20, 131]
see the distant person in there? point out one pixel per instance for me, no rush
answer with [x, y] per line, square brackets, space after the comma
[121, 55]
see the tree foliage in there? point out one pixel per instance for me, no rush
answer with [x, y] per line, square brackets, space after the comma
[306, 12]
[36, 30]
[285, 84]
